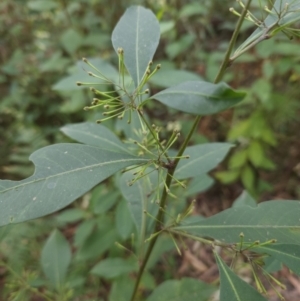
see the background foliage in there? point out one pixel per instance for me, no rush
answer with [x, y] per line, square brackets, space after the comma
[44, 41]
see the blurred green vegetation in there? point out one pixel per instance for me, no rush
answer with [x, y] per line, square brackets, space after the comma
[40, 43]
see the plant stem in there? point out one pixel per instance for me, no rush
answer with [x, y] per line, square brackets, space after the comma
[160, 215]
[227, 61]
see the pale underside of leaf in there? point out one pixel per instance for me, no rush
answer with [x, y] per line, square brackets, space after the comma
[63, 173]
[94, 134]
[138, 33]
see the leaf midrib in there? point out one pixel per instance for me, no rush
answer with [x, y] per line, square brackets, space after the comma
[69, 172]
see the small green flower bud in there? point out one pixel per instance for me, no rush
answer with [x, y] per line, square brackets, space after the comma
[78, 83]
[86, 108]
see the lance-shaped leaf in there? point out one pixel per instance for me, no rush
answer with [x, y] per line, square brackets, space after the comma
[186, 289]
[114, 267]
[203, 158]
[234, 288]
[63, 173]
[245, 199]
[284, 13]
[55, 259]
[286, 253]
[138, 34]
[200, 97]
[94, 134]
[269, 220]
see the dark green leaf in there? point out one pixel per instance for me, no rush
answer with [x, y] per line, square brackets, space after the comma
[286, 253]
[121, 289]
[186, 289]
[233, 288]
[124, 222]
[63, 173]
[269, 220]
[96, 244]
[140, 198]
[55, 259]
[113, 267]
[71, 215]
[138, 34]
[199, 97]
[83, 231]
[203, 158]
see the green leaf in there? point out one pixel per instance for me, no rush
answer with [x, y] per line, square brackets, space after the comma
[166, 26]
[138, 34]
[69, 82]
[245, 199]
[140, 198]
[121, 289]
[124, 222]
[74, 101]
[248, 177]
[203, 158]
[234, 288]
[193, 9]
[186, 289]
[71, 215]
[94, 134]
[200, 97]
[288, 254]
[4, 231]
[71, 40]
[238, 159]
[167, 78]
[96, 244]
[256, 153]
[198, 184]
[55, 258]
[269, 220]
[83, 231]
[101, 202]
[63, 173]
[180, 46]
[114, 267]
[290, 17]
[42, 5]
[227, 176]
